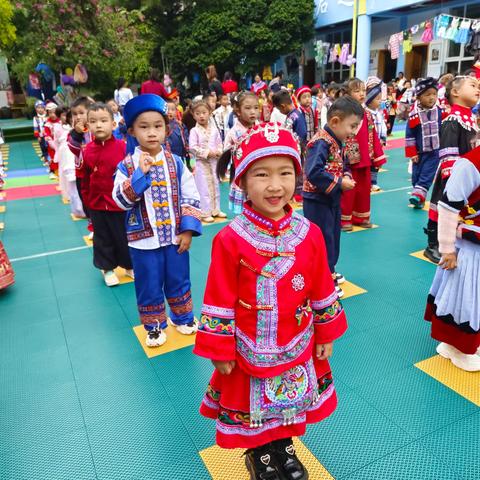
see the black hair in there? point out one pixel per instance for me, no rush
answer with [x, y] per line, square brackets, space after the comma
[344, 107]
[315, 91]
[81, 102]
[100, 107]
[154, 75]
[456, 83]
[120, 83]
[242, 96]
[222, 165]
[200, 103]
[227, 76]
[60, 110]
[468, 72]
[281, 98]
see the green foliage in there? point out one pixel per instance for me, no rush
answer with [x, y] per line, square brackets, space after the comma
[238, 33]
[7, 29]
[110, 41]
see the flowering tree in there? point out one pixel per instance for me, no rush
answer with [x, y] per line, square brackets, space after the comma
[110, 41]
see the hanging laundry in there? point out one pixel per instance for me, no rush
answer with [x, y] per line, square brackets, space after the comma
[394, 45]
[462, 34]
[442, 25]
[333, 56]
[407, 42]
[452, 30]
[344, 53]
[326, 49]
[473, 44]
[414, 29]
[427, 35]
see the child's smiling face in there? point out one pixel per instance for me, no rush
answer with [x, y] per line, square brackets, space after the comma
[270, 184]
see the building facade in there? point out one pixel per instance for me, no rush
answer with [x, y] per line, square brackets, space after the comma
[377, 21]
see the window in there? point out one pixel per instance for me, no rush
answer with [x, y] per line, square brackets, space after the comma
[457, 60]
[335, 71]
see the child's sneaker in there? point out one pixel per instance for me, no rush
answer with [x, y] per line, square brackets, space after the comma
[187, 329]
[464, 361]
[416, 202]
[155, 338]
[260, 463]
[347, 227]
[288, 463]
[339, 278]
[52, 176]
[209, 219]
[129, 273]
[110, 278]
[340, 292]
[90, 236]
[376, 188]
[221, 215]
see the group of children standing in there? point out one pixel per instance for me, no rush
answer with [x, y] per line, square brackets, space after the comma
[271, 308]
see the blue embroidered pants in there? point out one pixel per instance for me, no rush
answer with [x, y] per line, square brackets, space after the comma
[161, 273]
[423, 173]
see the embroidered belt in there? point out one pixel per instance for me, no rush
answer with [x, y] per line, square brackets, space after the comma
[255, 307]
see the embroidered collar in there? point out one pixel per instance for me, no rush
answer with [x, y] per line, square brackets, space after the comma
[334, 137]
[464, 116]
[274, 227]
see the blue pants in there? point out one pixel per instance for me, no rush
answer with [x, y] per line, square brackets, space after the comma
[328, 218]
[423, 173]
[161, 273]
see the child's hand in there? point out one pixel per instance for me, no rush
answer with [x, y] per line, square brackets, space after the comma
[145, 162]
[184, 241]
[324, 350]
[225, 368]
[79, 126]
[415, 159]
[347, 183]
[448, 261]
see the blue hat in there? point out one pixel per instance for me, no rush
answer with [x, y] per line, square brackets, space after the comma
[39, 103]
[424, 84]
[373, 93]
[143, 103]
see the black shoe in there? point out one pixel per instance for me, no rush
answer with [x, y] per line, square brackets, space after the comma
[260, 463]
[291, 467]
[432, 253]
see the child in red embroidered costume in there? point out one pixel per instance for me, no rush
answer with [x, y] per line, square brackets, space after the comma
[270, 314]
[52, 119]
[363, 151]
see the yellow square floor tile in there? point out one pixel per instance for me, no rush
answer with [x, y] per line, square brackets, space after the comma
[75, 218]
[122, 276]
[466, 384]
[223, 464]
[351, 290]
[88, 242]
[3, 208]
[356, 228]
[421, 256]
[217, 221]
[175, 341]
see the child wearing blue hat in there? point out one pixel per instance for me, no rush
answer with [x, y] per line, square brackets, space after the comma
[163, 205]
[39, 128]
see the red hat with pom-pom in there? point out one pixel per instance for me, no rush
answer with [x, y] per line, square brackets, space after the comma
[265, 140]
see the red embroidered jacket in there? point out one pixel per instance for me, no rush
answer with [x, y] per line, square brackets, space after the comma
[100, 160]
[269, 296]
[365, 149]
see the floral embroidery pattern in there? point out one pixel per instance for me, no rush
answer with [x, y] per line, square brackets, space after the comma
[217, 325]
[328, 314]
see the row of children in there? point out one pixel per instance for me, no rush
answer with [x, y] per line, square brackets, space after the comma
[442, 141]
